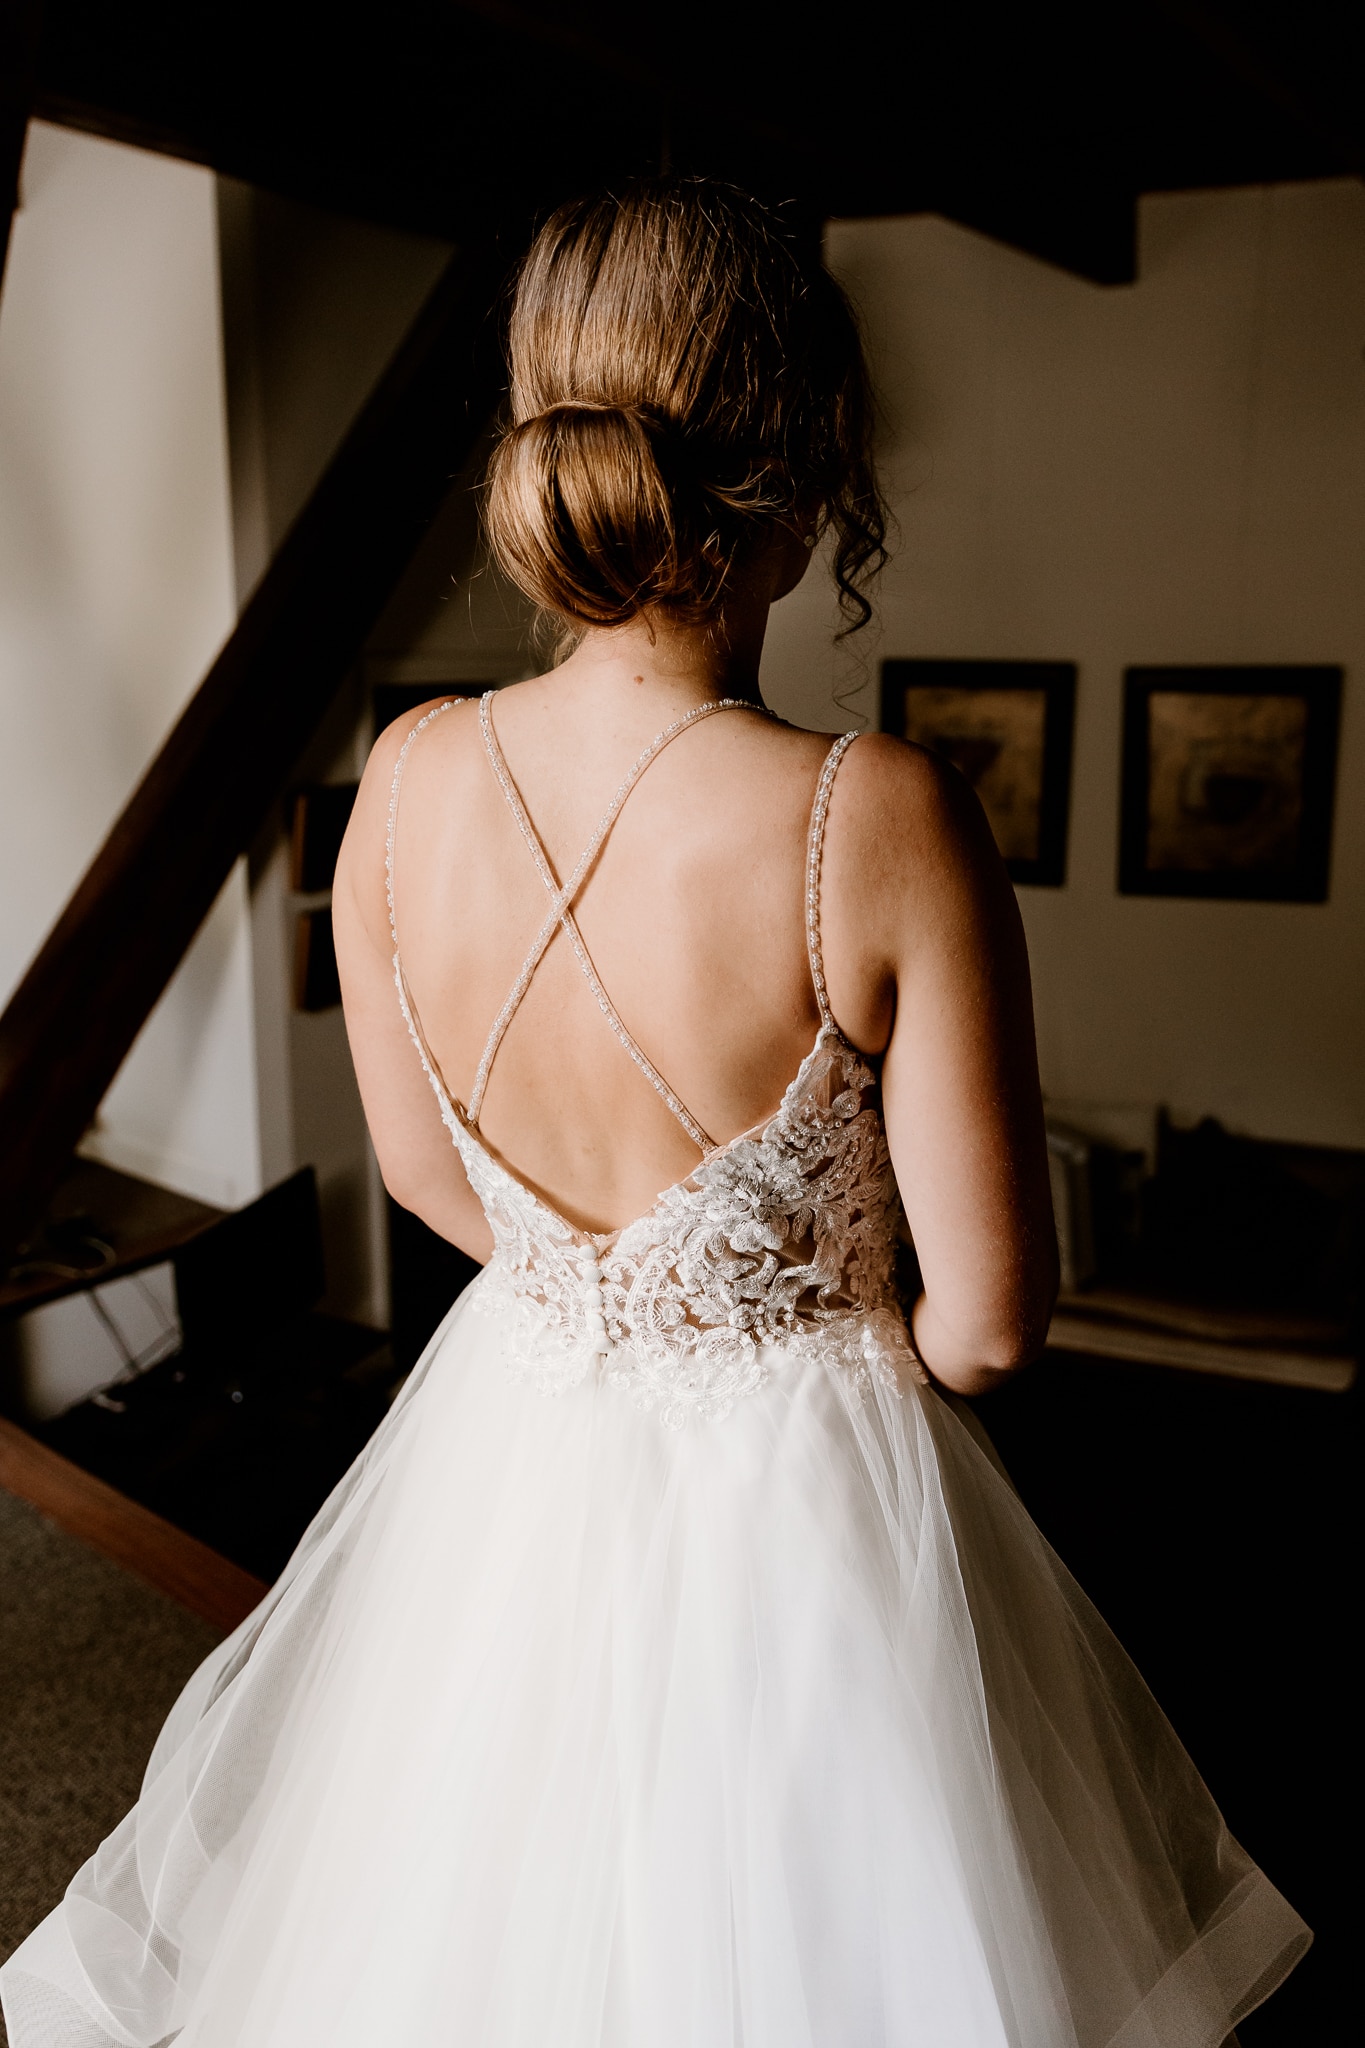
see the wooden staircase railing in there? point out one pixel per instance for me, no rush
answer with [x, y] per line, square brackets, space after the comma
[120, 938]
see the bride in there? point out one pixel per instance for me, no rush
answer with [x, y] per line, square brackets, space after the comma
[677, 1668]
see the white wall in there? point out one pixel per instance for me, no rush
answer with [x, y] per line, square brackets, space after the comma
[115, 593]
[1171, 472]
[314, 306]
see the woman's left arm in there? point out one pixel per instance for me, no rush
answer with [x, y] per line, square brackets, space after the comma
[929, 931]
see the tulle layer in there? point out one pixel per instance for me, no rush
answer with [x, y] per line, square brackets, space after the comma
[787, 1731]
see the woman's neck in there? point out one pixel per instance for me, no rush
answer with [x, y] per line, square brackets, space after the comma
[681, 665]
[669, 661]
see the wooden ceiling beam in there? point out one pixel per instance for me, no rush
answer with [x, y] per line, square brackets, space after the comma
[1037, 126]
[116, 945]
[1248, 62]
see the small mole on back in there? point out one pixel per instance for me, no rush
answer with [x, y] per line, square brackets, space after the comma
[639, 679]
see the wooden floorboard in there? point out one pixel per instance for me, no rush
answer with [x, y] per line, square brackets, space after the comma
[178, 1565]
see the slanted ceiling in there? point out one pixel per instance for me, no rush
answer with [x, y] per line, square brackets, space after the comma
[1039, 124]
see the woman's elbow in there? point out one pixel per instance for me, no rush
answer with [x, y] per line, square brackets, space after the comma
[971, 1356]
[991, 1364]
[1025, 1337]
[1022, 1330]
[1000, 1358]
[410, 1192]
[400, 1184]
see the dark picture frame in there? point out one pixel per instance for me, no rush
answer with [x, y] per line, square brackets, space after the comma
[320, 814]
[1007, 726]
[317, 982]
[1228, 782]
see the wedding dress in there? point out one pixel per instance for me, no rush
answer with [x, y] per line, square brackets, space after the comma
[676, 1668]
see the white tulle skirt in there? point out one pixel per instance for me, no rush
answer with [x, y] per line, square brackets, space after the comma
[566, 1730]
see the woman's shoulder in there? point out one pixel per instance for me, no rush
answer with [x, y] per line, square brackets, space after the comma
[430, 725]
[907, 834]
[902, 795]
[430, 738]
[441, 731]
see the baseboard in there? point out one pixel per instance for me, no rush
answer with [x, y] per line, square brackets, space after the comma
[154, 1550]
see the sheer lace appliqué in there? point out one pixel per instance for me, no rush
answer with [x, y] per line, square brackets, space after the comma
[779, 1245]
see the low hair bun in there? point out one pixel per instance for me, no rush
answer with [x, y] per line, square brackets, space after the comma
[592, 512]
[683, 377]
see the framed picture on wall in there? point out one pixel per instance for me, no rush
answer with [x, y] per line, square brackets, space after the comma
[320, 814]
[317, 984]
[1006, 725]
[1228, 782]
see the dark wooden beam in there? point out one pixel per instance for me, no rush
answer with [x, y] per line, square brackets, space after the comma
[1087, 228]
[1250, 61]
[126, 928]
[400, 127]
[20, 27]
[1037, 125]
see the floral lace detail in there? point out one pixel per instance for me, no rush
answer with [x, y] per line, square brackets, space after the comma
[779, 1247]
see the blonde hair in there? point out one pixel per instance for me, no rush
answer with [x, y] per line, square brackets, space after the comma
[683, 378]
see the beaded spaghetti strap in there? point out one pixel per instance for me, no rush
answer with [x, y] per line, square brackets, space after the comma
[560, 914]
[815, 847]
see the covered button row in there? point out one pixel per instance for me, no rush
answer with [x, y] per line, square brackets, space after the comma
[590, 1272]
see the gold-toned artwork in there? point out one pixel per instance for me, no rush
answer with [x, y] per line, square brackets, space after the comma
[1224, 781]
[995, 739]
[1228, 779]
[1006, 726]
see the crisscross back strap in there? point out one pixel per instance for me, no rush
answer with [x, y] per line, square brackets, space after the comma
[815, 847]
[560, 913]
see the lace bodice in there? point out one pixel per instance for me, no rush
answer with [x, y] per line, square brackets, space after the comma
[779, 1243]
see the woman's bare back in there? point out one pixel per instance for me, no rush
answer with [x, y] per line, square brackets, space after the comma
[693, 919]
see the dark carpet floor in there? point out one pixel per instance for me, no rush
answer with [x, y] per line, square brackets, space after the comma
[90, 1662]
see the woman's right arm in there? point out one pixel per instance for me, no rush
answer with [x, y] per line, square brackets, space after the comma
[420, 1166]
[936, 935]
